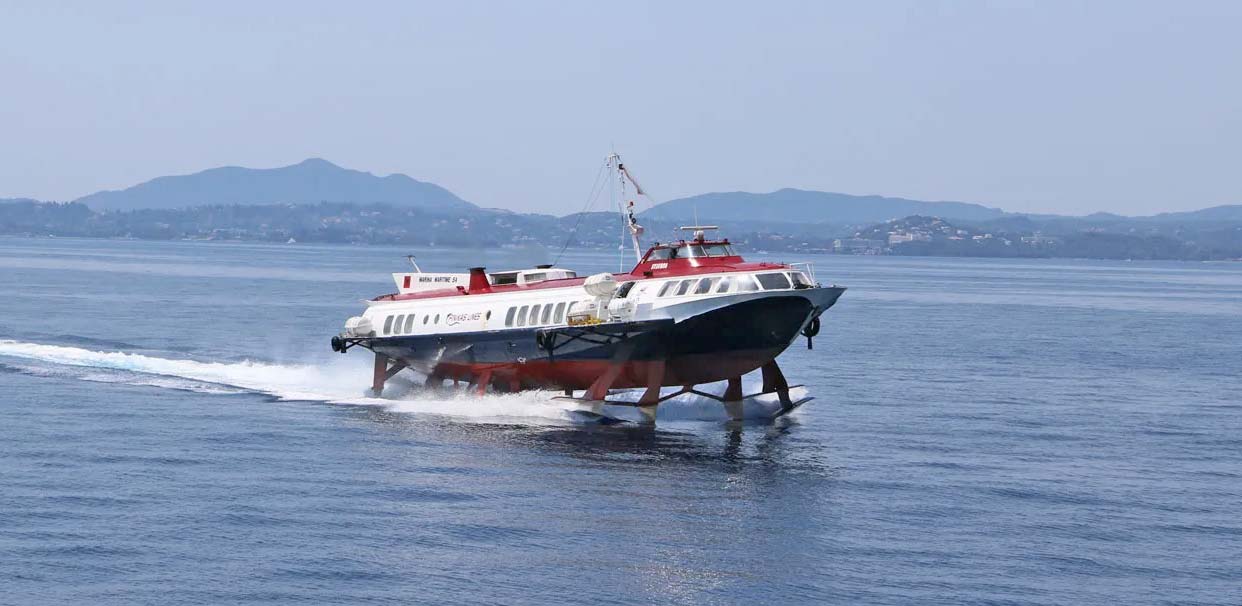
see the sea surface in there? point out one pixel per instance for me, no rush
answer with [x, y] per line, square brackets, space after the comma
[174, 429]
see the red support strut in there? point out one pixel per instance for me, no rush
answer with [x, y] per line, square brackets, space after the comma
[655, 380]
[380, 376]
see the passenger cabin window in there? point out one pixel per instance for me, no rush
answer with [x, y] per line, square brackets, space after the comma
[684, 286]
[509, 316]
[504, 278]
[799, 281]
[560, 313]
[388, 325]
[396, 324]
[536, 277]
[409, 323]
[746, 284]
[547, 314]
[725, 284]
[773, 281]
[625, 289]
[667, 287]
[534, 316]
[521, 316]
[705, 286]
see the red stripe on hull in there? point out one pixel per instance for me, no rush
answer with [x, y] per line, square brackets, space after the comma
[580, 374]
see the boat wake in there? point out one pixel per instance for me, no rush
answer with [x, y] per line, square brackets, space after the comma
[343, 381]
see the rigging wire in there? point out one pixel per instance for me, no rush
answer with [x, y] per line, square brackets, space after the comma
[596, 190]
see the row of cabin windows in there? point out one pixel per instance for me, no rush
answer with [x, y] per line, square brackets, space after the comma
[534, 315]
[404, 324]
[739, 283]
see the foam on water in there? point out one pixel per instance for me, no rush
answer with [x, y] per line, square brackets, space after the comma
[342, 381]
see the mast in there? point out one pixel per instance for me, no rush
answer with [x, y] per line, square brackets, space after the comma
[627, 211]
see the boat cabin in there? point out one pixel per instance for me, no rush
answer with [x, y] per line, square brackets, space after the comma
[681, 255]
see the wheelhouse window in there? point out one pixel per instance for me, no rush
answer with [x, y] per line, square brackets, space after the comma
[659, 254]
[509, 316]
[773, 281]
[521, 315]
[690, 251]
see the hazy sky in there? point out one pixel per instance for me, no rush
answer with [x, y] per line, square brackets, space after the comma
[1129, 107]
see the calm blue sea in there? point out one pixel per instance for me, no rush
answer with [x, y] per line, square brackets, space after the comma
[174, 429]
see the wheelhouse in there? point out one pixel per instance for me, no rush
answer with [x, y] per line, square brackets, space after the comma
[689, 250]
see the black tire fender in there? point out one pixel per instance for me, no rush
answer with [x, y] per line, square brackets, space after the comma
[812, 328]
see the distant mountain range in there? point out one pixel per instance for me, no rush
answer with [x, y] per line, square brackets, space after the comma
[317, 201]
[315, 181]
[308, 182]
[796, 205]
[800, 206]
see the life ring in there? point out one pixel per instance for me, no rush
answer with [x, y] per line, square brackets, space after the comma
[812, 328]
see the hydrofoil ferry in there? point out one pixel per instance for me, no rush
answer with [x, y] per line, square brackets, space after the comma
[690, 311]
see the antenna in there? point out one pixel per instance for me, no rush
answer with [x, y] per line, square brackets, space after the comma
[627, 211]
[410, 258]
